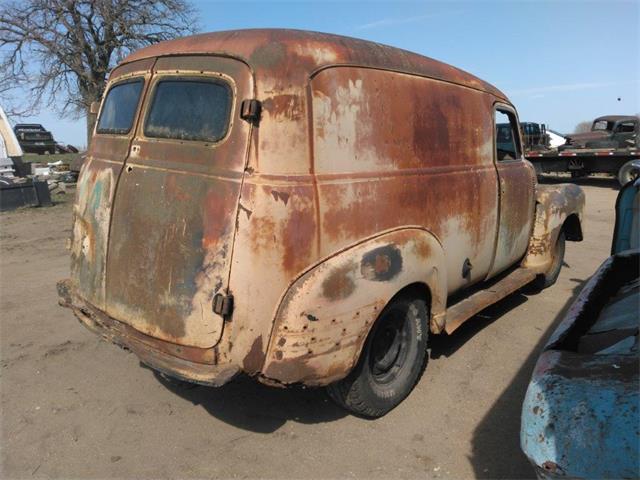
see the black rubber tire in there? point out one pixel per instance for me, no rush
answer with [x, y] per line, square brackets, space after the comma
[369, 392]
[627, 173]
[548, 278]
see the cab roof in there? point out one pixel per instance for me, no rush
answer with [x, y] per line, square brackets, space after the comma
[280, 51]
[616, 118]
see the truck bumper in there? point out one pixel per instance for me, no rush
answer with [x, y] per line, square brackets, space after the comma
[191, 364]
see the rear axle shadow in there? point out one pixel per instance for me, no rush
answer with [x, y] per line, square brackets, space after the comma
[247, 404]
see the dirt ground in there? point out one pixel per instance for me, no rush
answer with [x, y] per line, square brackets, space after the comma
[73, 406]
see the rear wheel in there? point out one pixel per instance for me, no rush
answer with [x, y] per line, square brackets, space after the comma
[628, 172]
[392, 361]
[548, 278]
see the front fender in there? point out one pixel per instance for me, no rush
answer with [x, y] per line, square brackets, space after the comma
[324, 317]
[554, 205]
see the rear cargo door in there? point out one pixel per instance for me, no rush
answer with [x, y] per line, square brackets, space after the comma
[97, 181]
[175, 208]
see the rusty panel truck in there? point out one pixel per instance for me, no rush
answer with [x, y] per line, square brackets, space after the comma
[305, 209]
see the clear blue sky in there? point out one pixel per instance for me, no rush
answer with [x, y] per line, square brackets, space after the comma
[560, 62]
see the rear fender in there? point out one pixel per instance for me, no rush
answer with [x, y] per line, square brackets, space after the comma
[324, 317]
[556, 206]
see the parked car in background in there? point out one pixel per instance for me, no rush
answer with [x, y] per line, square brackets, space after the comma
[306, 209]
[581, 413]
[537, 137]
[34, 138]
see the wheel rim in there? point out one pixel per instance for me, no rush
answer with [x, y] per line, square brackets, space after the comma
[575, 164]
[628, 173]
[389, 347]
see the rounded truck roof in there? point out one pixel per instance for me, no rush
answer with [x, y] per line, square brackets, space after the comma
[284, 50]
[616, 118]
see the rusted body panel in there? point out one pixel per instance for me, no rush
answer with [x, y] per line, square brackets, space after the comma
[517, 200]
[326, 314]
[555, 205]
[189, 363]
[370, 169]
[580, 415]
[169, 256]
[94, 201]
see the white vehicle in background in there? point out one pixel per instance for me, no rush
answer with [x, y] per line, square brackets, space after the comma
[9, 147]
[555, 139]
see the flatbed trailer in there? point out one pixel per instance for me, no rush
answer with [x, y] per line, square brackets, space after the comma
[583, 162]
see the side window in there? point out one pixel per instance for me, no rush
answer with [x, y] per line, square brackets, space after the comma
[189, 109]
[602, 125]
[507, 141]
[120, 107]
[625, 127]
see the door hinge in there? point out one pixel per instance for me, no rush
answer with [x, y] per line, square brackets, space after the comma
[223, 305]
[250, 111]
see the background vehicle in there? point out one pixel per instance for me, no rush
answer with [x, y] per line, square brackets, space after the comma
[611, 131]
[304, 208]
[610, 147]
[34, 138]
[555, 139]
[537, 137]
[581, 412]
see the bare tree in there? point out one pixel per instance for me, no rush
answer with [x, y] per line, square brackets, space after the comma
[583, 127]
[58, 53]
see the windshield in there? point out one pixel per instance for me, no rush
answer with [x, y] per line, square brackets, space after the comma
[120, 107]
[602, 125]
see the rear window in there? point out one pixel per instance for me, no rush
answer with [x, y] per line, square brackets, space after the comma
[120, 107]
[189, 109]
[602, 125]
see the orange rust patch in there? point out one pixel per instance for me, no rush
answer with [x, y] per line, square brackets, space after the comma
[263, 233]
[339, 284]
[288, 106]
[174, 191]
[218, 207]
[381, 264]
[422, 250]
[299, 233]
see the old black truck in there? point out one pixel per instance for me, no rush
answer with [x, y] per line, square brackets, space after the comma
[34, 138]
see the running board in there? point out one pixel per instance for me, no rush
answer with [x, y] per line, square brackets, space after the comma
[465, 309]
